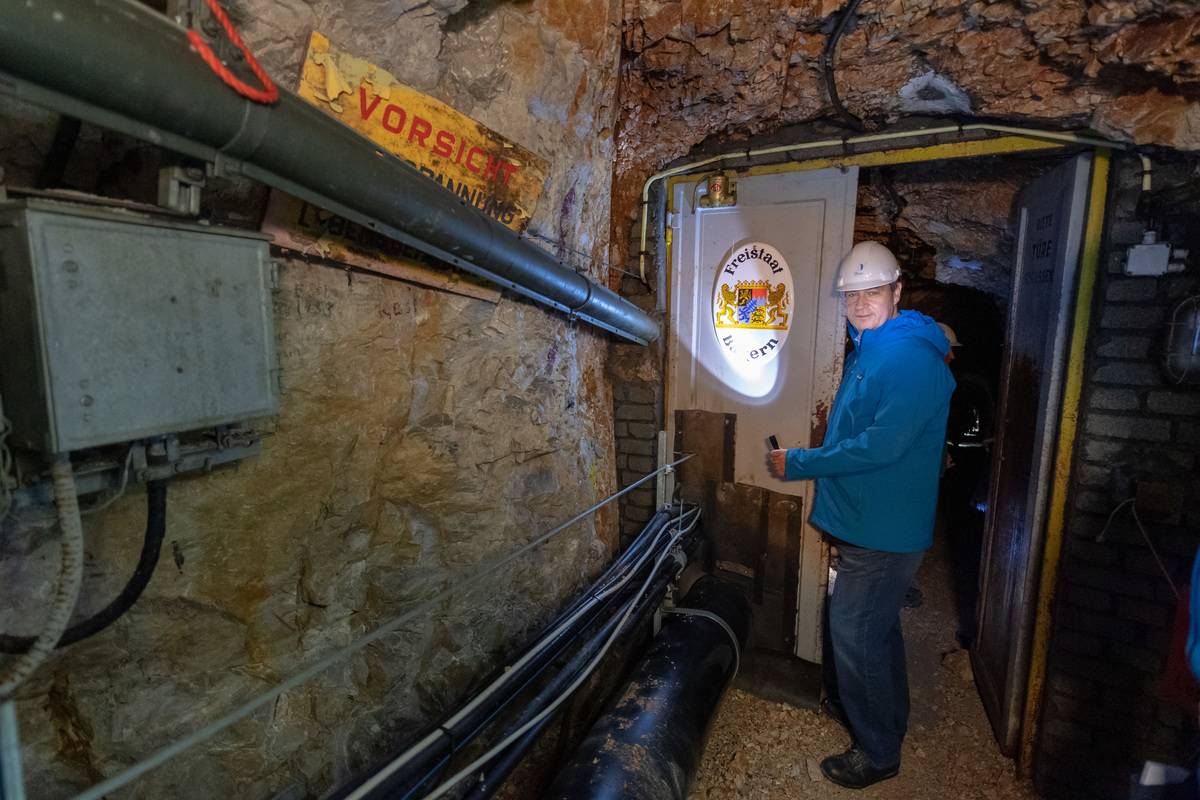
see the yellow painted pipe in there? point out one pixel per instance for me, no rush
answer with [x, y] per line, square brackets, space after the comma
[1004, 145]
[1062, 138]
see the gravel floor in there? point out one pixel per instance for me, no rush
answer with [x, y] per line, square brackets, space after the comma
[763, 750]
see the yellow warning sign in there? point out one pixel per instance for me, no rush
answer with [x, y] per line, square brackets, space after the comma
[499, 178]
[496, 176]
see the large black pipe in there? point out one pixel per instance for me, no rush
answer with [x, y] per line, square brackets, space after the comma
[118, 64]
[649, 745]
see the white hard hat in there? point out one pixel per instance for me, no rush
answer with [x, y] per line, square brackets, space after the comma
[946, 329]
[867, 265]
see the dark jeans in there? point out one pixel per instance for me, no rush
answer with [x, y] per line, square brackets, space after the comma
[868, 649]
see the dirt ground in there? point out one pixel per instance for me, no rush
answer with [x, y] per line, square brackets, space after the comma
[760, 750]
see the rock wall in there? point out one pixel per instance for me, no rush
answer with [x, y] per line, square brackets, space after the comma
[420, 435]
[950, 222]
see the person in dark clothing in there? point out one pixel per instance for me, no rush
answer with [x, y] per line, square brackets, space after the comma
[877, 480]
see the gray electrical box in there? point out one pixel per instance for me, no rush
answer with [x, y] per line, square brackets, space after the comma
[117, 326]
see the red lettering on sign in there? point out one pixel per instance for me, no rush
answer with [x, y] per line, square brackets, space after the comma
[445, 144]
[509, 170]
[420, 131]
[391, 109]
[474, 151]
[367, 110]
[491, 167]
[492, 170]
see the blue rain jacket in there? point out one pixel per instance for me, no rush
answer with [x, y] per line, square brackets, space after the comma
[877, 470]
[1193, 640]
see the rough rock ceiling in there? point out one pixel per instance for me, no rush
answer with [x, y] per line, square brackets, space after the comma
[696, 69]
[950, 222]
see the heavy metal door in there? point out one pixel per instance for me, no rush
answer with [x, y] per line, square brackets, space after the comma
[1050, 223]
[764, 347]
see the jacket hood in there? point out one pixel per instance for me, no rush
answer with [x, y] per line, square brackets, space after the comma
[905, 325]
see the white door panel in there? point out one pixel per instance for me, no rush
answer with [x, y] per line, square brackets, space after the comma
[809, 218]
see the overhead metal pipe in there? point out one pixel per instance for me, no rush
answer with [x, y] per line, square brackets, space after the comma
[121, 65]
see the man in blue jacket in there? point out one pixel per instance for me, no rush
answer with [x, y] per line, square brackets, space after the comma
[877, 480]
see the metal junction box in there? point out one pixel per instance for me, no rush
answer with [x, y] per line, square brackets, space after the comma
[117, 326]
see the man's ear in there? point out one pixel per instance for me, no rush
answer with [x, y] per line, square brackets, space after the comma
[896, 294]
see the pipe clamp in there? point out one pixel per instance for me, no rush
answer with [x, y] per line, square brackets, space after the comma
[700, 612]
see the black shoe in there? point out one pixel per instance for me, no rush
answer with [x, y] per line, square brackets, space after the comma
[834, 710]
[854, 770]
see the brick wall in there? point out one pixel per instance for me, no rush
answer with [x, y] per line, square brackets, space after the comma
[637, 408]
[1106, 709]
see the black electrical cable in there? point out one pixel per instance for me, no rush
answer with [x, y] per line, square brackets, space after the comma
[505, 763]
[665, 710]
[827, 57]
[592, 642]
[594, 604]
[54, 167]
[409, 780]
[156, 526]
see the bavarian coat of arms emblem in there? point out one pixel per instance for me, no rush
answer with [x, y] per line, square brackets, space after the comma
[751, 298]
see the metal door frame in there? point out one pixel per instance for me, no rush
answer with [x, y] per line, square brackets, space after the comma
[1055, 513]
[1008, 697]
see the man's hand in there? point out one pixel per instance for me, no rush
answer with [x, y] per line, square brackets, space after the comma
[777, 463]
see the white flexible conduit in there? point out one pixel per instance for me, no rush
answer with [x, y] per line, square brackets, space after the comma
[70, 579]
[684, 611]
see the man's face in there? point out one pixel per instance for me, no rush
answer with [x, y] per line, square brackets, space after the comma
[870, 308]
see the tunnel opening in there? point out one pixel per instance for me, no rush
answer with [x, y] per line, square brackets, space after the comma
[953, 225]
[952, 221]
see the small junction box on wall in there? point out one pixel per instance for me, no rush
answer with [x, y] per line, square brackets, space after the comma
[117, 326]
[1152, 258]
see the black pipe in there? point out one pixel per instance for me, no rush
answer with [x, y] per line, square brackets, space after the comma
[453, 737]
[502, 766]
[649, 745]
[827, 57]
[119, 64]
[156, 527]
[54, 165]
